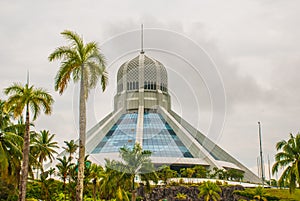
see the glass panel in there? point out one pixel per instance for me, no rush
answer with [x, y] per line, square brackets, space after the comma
[122, 133]
[161, 139]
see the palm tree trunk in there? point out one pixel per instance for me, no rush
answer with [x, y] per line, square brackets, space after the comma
[133, 197]
[25, 161]
[82, 127]
[65, 188]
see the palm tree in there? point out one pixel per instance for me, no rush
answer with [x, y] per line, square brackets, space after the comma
[112, 179]
[136, 161]
[45, 147]
[209, 190]
[82, 62]
[260, 194]
[165, 173]
[289, 158]
[10, 155]
[10, 147]
[96, 174]
[71, 148]
[31, 99]
[51, 172]
[63, 170]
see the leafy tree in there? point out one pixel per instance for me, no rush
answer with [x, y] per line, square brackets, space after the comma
[165, 173]
[51, 172]
[260, 193]
[209, 190]
[63, 170]
[235, 175]
[96, 174]
[71, 148]
[200, 171]
[112, 179]
[288, 158]
[31, 99]
[44, 147]
[10, 153]
[82, 62]
[219, 173]
[187, 172]
[136, 161]
[10, 147]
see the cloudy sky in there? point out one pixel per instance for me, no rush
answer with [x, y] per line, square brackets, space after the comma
[252, 46]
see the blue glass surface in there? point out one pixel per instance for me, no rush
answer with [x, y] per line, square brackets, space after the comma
[161, 139]
[122, 133]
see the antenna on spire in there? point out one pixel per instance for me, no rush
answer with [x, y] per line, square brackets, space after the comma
[142, 39]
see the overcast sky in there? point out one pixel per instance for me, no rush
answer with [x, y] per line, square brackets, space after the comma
[253, 45]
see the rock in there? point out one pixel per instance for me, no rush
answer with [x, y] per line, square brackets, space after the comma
[169, 193]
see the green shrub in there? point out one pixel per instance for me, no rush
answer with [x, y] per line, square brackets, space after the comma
[181, 196]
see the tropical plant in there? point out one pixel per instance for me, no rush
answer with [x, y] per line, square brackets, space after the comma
[200, 171]
[136, 161]
[181, 196]
[71, 148]
[44, 147]
[10, 147]
[187, 172]
[260, 193]
[209, 190]
[63, 171]
[51, 172]
[96, 174]
[112, 179]
[165, 173]
[234, 175]
[31, 99]
[82, 62]
[219, 173]
[289, 158]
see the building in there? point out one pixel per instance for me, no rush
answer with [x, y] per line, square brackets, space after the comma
[142, 114]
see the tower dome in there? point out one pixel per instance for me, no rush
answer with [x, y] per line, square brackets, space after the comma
[142, 81]
[142, 72]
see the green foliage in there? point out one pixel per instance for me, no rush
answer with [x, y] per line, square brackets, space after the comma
[230, 174]
[209, 190]
[7, 191]
[83, 62]
[45, 189]
[181, 196]
[165, 172]
[288, 158]
[259, 193]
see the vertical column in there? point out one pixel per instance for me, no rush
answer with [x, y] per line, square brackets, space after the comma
[140, 121]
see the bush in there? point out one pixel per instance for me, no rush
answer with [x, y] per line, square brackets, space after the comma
[181, 196]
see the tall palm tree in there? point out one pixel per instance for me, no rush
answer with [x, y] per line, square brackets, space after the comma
[31, 99]
[289, 158]
[71, 148]
[82, 62]
[45, 147]
[210, 191]
[136, 161]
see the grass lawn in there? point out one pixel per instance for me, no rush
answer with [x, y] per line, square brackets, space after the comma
[284, 194]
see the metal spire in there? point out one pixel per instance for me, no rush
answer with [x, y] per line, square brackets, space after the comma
[261, 156]
[142, 39]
